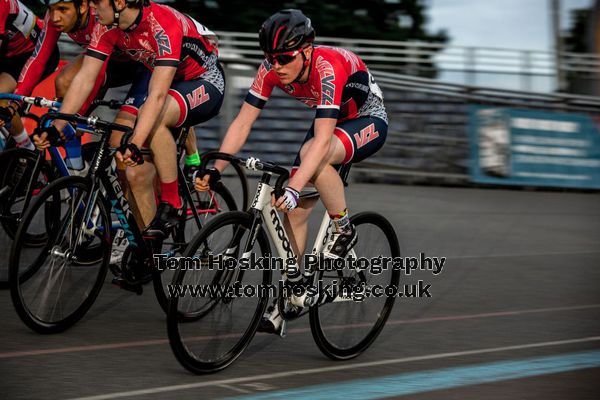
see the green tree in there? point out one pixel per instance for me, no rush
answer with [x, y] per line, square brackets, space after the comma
[366, 19]
[400, 20]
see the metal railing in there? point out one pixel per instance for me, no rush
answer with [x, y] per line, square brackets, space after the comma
[427, 138]
[526, 70]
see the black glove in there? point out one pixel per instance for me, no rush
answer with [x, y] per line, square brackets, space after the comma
[215, 175]
[136, 153]
[55, 137]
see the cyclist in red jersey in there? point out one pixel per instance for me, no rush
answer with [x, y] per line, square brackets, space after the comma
[19, 30]
[350, 125]
[78, 20]
[186, 87]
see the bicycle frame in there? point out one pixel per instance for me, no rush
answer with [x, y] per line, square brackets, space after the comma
[265, 213]
[103, 175]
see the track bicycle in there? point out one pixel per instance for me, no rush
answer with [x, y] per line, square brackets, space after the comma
[54, 285]
[212, 323]
[25, 172]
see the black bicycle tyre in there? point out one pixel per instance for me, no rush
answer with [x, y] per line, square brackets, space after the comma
[24, 313]
[330, 349]
[241, 173]
[174, 317]
[157, 278]
[7, 161]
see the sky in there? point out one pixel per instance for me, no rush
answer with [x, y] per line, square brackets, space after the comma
[515, 24]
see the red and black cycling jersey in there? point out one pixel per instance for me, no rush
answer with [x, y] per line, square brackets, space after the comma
[19, 28]
[46, 45]
[339, 86]
[161, 36]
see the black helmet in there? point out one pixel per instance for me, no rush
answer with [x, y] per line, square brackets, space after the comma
[284, 31]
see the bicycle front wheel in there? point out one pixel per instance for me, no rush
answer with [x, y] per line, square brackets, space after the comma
[215, 308]
[208, 204]
[54, 285]
[350, 317]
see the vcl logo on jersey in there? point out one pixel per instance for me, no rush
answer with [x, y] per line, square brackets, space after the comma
[327, 76]
[197, 97]
[163, 42]
[366, 135]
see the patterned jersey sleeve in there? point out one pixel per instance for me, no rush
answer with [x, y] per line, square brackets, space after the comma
[168, 34]
[34, 68]
[103, 42]
[262, 87]
[332, 78]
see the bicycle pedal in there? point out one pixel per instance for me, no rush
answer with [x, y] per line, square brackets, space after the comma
[130, 287]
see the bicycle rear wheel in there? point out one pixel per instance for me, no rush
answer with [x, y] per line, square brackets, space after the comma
[209, 204]
[347, 326]
[209, 326]
[53, 286]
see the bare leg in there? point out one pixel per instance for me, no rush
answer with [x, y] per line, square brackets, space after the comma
[141, 180]
[190, 143]
[296, 225]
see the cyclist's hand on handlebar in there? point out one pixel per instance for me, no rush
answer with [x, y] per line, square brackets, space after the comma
[210, 175]
[130, 155]
[46, 137]
[201, 184]
[288, 201]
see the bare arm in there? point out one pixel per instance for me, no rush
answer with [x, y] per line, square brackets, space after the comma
[238, 132]
[80, 88]
[234, 140]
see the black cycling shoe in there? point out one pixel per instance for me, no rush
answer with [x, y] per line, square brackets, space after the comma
[131, 274]
[166, 218]
[340, 243]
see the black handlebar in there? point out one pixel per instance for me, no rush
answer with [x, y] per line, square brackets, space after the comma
[94, 122]
[265, 166]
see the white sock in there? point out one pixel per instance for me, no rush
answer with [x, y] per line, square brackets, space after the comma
[23, 140]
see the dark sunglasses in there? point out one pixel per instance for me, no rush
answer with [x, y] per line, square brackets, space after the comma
[282, 58]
